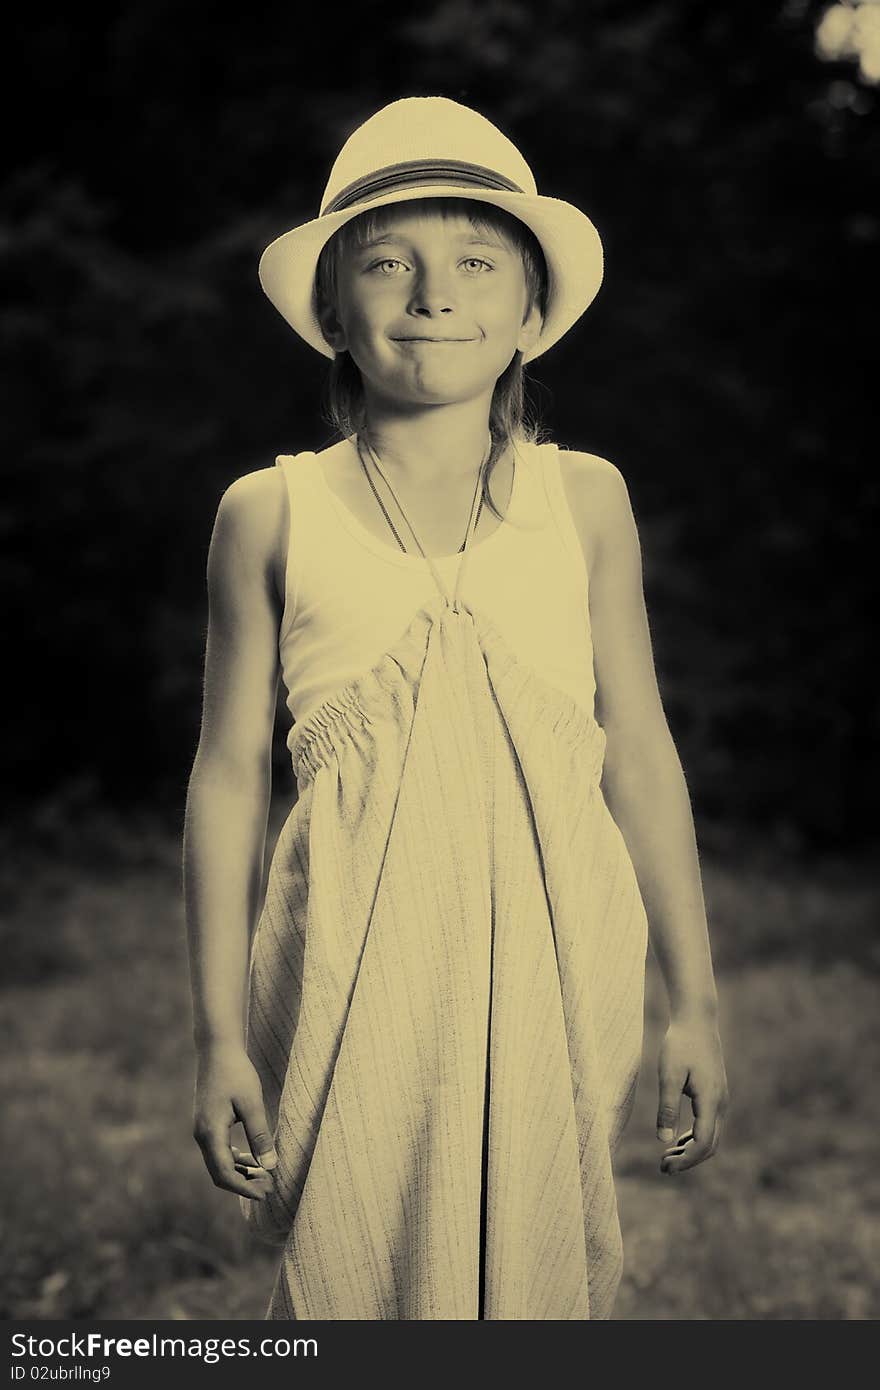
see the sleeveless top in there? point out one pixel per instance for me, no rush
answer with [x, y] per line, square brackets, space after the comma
[349, 595]
[446, 986]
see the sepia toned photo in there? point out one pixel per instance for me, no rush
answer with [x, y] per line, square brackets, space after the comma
[439, 853]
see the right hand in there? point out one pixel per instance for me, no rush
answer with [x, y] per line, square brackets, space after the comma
[228, 1090]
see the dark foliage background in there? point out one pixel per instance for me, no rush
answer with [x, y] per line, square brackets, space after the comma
[724, 366]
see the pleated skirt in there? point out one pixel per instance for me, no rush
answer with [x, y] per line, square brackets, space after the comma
[446, 995]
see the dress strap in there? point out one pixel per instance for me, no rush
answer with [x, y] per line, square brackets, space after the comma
[472, 520]
[476, 503]
[291, 473]
[560, 509]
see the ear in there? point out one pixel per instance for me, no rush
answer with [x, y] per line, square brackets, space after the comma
[331, 327]
[530, 331]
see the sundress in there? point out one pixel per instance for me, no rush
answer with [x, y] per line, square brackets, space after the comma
[446, 993]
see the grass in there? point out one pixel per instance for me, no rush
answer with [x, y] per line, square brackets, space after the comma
[109, 1212]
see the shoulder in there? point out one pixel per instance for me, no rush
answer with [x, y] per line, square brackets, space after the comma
[253, 497]
[251, 525]
[589, 477]
[599, 499]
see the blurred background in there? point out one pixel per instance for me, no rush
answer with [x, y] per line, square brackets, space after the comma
[729, 159]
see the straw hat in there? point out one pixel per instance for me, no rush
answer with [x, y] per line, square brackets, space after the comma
[433, 147]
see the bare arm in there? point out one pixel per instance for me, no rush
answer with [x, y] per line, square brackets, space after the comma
[645, 789]
[227, 811]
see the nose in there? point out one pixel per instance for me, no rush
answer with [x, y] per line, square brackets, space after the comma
[432, 294]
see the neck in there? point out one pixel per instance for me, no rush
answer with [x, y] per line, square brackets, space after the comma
[430, 443]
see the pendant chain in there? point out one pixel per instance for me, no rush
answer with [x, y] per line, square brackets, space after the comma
[375, 461]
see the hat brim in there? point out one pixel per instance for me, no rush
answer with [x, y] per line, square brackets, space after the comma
[570, 242]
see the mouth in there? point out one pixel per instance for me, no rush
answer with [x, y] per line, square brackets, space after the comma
[434, 340]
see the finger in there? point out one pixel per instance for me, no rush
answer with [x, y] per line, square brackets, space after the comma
[688, 1154]
[247, 1166]
[678, 1144]
[671, 1085]
[245, 1163]
[689, 1158]
[706, 1105]
[253, 1116]
[217, 1153]
[719, 1127]
[671, 1160]
[705, 1129]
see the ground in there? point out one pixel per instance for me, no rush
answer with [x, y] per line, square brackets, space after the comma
[108, 1212]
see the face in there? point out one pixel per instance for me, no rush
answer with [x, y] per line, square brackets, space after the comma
[431, 310]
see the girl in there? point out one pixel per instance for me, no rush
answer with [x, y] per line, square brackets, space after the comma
[434, 1038]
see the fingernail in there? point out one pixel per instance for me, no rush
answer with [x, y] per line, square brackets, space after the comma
[665, 1136]
[269, 1159]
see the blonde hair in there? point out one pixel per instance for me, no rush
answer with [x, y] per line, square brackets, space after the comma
[510, 418]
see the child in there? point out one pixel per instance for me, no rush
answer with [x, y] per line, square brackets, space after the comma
[436, 1047]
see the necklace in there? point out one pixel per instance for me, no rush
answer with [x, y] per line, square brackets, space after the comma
[472, 520]
[376, 464]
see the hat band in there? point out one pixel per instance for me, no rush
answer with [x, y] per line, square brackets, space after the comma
[419, 171]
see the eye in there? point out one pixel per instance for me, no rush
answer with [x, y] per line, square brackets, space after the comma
[389, 260]
[478, 261]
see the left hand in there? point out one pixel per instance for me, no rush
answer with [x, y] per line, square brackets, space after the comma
[691, 1064]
